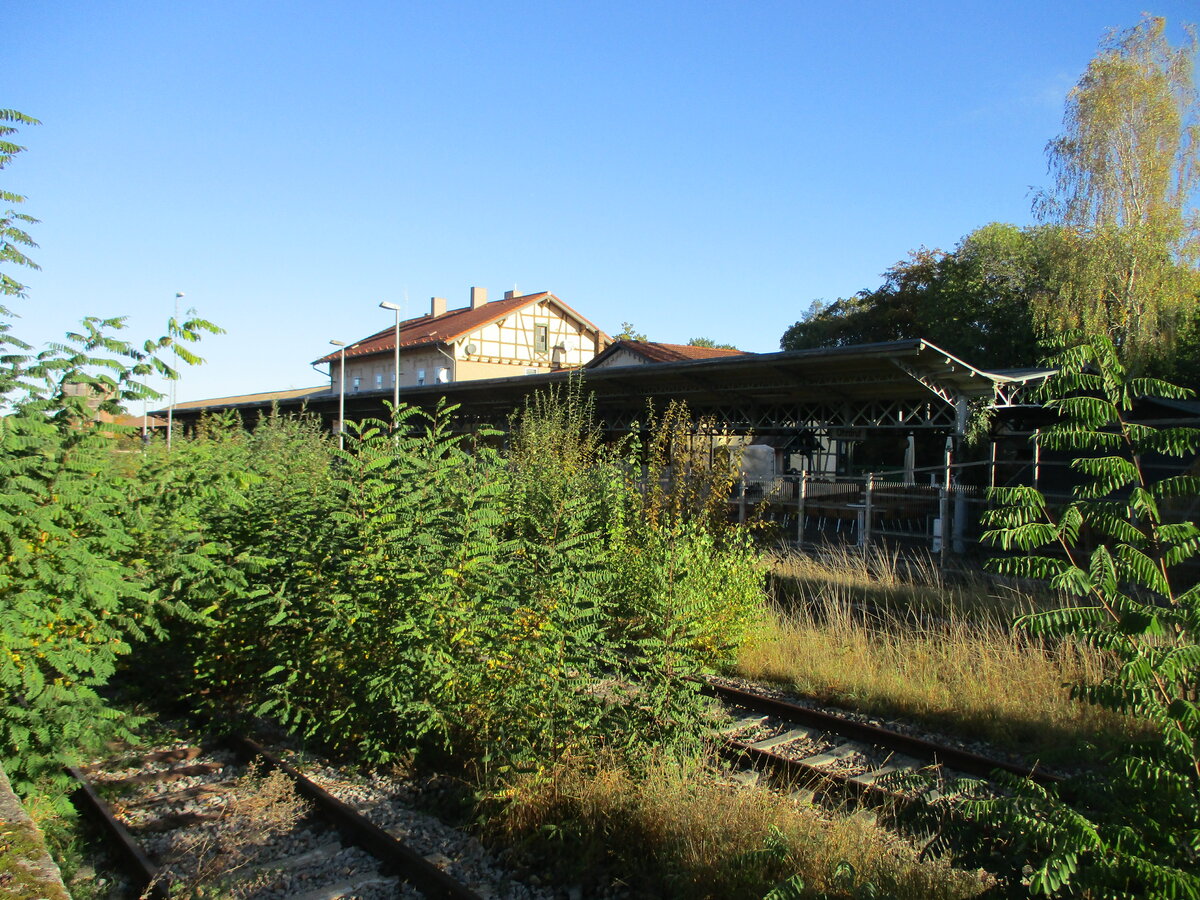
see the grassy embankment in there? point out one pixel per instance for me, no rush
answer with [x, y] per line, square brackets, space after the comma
[885, 637]
[675, 831]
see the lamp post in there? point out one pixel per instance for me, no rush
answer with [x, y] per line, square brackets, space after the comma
[395, 307]
[341, 397]
[175, 349]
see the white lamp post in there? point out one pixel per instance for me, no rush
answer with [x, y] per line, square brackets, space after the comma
[175, 380]
[396, 377]
[341, 396]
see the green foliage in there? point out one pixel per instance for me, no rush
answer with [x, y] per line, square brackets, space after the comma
[709, 342]
[776, 854]
[975, 301]
[13, 236]
[628, 333]
[1126, 170]
[420, 594]
[74, 590]
[1135, 830]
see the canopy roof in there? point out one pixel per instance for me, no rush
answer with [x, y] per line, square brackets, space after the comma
[901, 384]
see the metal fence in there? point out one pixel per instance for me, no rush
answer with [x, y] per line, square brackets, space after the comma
[935, 509]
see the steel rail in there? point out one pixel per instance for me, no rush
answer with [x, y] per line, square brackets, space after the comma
[359, 830]
[951, 757]
[354, 828]
[143, 872]
[814, 778]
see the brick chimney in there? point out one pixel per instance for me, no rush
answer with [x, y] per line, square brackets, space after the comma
[437, 306]
[478, 297]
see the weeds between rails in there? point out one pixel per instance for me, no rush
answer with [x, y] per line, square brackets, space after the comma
[245, 831]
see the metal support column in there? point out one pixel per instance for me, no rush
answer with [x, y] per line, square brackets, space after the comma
[801, 496]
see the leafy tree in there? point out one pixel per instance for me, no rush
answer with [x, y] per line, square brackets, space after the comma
[74, 589]
[13, 223]
[1126, 169]
[709, 342]
[628, 333]
[1134, 830]
[974, 301]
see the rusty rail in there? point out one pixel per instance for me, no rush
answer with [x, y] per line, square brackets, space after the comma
[353, 826]
[142, 871]
[359, 830]
[952, 757]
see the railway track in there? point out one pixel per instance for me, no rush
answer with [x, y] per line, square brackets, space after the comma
[825, 753]
[237, 815]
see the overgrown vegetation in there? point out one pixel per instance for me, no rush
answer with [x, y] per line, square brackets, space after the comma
[892, 637]
[676, 831]
[75, 588]
[230, 856]
[1134, 829]
[420, 594]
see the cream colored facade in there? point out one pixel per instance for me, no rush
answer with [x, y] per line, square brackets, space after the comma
[534, 339]
[623, 357]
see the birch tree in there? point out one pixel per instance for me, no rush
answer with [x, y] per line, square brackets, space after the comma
[1125, 172]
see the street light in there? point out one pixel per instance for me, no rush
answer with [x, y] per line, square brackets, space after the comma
[341, 396]
[396, 377]
[175, 380]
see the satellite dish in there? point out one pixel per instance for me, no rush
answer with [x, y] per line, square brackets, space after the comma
[471, 348]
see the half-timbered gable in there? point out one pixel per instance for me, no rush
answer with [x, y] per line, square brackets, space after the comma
[529, 334]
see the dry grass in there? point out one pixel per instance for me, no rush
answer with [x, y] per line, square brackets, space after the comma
[677, 832]
[861, 633]
[209, 861]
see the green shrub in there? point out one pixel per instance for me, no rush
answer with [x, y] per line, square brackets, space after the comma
[421, 593]
[1134, 830]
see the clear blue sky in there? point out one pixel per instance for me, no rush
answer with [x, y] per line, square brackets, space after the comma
[697, 169]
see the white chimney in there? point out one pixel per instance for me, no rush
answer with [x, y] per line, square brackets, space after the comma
[478, 297]
[437, 306]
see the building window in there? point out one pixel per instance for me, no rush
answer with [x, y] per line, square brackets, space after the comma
[378, 380]
[541, 338]
[357, 382]
[420, 376]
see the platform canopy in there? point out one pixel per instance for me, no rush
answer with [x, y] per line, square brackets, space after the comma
[906, 385]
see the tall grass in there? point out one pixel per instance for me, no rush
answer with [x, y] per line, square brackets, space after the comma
[676, 831]
[885, 637]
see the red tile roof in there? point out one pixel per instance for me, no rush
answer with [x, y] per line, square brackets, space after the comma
[654, 351]
[449, 326]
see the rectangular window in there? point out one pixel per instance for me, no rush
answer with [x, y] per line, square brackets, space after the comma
[357, 382]
[541, 338]
[378, 380]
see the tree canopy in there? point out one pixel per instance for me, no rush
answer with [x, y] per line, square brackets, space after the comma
[710, 343]
[629, 333]
[1116, 252]
[1126, 169]
[973, 301]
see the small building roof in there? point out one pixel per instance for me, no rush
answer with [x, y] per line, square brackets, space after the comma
[658, 352]
[449, 326]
